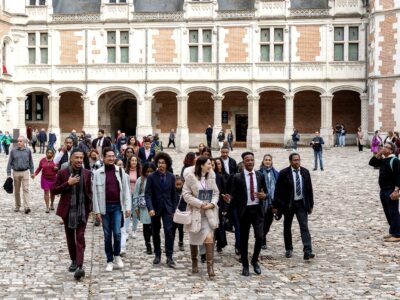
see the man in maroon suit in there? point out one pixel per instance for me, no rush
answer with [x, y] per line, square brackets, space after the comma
[75, 186]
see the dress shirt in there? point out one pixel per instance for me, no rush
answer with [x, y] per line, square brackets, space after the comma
[296, 197]
[226, 165]
[247, 177]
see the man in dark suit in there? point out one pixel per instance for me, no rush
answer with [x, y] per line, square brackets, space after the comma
[209, 132]
[160, 200]
[75, 186]
[248, 192]
[101, 142]
[294, 196]
[146, 153]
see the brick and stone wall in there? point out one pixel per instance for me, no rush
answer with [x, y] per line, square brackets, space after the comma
[71, 112]
[164, 112]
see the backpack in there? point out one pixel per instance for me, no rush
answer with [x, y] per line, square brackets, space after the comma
[158, 147]
[391, 163]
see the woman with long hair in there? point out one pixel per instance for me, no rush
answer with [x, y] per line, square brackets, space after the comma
[201, 193]
[48, 179]
[139, 203]
[134, 143]
[189, 161]
[200, 149]
[133, 169]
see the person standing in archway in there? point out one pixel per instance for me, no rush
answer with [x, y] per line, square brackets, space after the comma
[209, 132]
[171, 139]
[101, 142]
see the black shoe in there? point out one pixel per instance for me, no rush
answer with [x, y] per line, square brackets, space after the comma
[180, 245]
[96, 223]
[27, 211]
[264, 247]
[237, 251]
[257, 268]
[79, 273]
[289, 253]
[73, 266]
[156, 260]
[219, 249]
[315, 169]
[203, 258]
[308, 255]
[148, 249]
[245, 271]
[171, 263]
[322, 169]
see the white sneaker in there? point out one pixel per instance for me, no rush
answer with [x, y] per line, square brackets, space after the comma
[122, 253]
[118, 262]
[109, 267]
[133, 234]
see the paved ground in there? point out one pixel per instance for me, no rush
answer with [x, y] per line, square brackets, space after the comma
[347, 227]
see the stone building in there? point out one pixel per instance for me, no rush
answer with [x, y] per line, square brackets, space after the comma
[259, 68]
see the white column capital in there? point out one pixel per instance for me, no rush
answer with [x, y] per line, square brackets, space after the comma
[326, 97]
[21, 98]
[54, 98]
[253, 97]
[364, 97]
[218, 97]
[182, 97]
[288, 97]
[148, 97]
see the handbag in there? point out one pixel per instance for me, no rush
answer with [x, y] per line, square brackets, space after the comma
[142, 202]
[182, 217]
[8, 185]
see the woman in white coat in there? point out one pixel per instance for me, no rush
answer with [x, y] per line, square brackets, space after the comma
[201, 193]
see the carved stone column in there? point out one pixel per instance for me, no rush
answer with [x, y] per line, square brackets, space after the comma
[182, 133]
[364, 115]
[217, 118]
[54, 117]
[326, 130]
[145, 128]
[21, 115]
[90, 116]
[289, 118]
[253, 130]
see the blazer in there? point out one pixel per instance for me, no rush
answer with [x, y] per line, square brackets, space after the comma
[142, 155]
[284, 190]
[106, 143]
[62, 187]
[239, 191]
[160, 197]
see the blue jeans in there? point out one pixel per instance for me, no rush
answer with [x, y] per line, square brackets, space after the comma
[112, 228]
[391, 209]
[318, 156]
[342, 140]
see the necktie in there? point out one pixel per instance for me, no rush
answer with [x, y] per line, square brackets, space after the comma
[252, 198]
[162, 178]
[298, 187]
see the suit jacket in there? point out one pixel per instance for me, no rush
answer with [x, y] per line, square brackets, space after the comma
[161, 197]
[232, 166]
[106, 143]
[142, 155]
[62, 187]
[284, 190]
[239, 191]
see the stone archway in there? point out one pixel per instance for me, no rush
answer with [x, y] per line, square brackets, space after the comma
[235, 109]
[37, 110]
[307, 113]
[272, 112]
[71, 112]
[118, 111]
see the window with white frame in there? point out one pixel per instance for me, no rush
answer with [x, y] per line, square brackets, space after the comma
[38, 48]
[118, 47]
[37, 2]
[346, 43]
[117, 1]
[271, 44]
[200, 45]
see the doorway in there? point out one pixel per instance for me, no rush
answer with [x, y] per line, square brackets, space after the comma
[241, 127]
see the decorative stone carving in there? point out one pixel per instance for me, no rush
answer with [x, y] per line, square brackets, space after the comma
[75, 18]
[309, 12]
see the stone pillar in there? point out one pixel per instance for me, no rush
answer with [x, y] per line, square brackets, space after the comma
[217, 119]
[289, 119]
[253, 130]
[145, 128]
[326, 130]
[182, 133]
[364, 115]
[54, 117]
[21, 116]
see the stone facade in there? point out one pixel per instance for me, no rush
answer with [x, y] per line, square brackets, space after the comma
[260, 71]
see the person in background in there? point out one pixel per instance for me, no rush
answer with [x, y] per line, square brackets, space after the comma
[295, 139]
[316, 144]
[122, 140]
[156, 145]
[135, 144]
[101, 142]
[230, 139]
[182, 207]
[52, 140]
[139, 204]
[6, 142]
[48, 179]
[34, 139]
[171, 139]
[200, 149]
[189, 161]
[1, 139]
[360, 139]
[342, 137]
[221, 139]
[146, 153]
[209, 132]
[42, 137]
[64, 154]
[376, 142]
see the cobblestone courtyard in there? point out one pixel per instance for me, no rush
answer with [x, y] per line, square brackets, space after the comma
[347, 227]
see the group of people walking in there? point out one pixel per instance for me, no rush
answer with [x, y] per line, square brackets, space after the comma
[137, 183]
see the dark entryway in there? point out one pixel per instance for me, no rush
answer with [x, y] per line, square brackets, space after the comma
[241, 128]
[124, 117]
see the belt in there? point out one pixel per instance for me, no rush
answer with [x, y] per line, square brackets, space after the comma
[21, 170]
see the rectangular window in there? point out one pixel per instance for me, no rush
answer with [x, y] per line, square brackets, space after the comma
[194, 53]
[32, 2]
[346, 43]
[278, 52]
[265, 37]
[39, 107]
[278, 35]
[124, 55]
[44, 56]
[193, 36]
[271, 44]
[264, 52]
[111, 57]
[111, 37]
[32, 39]
[207, 37]
[207, 56]
[28, 108]
[42, 2]
[43, 39]
[124, 38]
[32, 55]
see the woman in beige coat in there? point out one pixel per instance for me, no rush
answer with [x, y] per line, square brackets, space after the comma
[201, 194]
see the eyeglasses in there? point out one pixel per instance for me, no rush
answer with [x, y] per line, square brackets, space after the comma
[129, 151]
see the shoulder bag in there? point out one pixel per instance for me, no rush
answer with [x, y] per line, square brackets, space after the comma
[182, 217]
